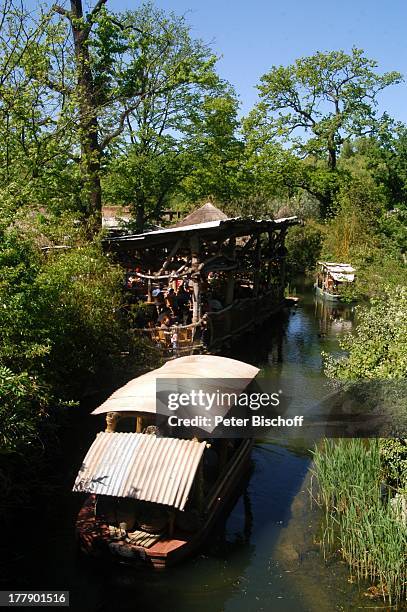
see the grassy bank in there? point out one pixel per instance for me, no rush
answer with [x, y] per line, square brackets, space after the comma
[361, 517]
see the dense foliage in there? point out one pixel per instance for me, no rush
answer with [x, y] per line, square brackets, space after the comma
[61, 331]
[103, 108]
[377, 348]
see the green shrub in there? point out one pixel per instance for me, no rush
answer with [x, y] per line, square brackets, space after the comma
[22, 409]
[377, 348]
[393, 454]
[61, 309]
[303, 245]
[142, 313]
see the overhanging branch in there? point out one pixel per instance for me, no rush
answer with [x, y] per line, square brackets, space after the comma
[115, 133]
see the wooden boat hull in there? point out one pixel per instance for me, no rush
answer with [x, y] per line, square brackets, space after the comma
[94, 538]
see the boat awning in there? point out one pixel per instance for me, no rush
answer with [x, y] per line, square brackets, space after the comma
[140, 466]
[337, 268]
[140, 394]
[343, 278]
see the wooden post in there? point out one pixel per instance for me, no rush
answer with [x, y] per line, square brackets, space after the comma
[139, 424]
[149, 295]
[200, 494]
[257, 263]
[223, 454]
[196, 295]
[282, 263]
[170, 256]
[171, 524]
[112, 419]
[269, 263]
[230, 283]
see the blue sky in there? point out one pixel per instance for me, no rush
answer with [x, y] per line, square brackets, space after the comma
[253, 35]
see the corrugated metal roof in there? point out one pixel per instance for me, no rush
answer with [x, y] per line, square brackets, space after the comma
[140, 466]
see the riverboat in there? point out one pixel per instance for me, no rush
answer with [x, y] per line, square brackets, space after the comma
[331, 277]
[152, 499]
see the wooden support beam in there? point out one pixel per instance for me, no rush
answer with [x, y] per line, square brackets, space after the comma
[230, 283]
[149, 292]
[199, 486]
[269, 259]
[257, 265]
[223, 454]
[196, 285]
[112, 419]
[169, 257]
[171, 524]
[282, 262]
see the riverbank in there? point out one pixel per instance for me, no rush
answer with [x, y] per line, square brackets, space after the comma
[361, 519]
[322, 585]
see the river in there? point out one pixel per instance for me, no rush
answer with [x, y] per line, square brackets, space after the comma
[265, 555]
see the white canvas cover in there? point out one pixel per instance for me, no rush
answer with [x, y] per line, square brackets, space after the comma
[139, 394]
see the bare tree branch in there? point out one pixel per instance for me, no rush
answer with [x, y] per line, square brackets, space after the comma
[97, 8]
[115, 133]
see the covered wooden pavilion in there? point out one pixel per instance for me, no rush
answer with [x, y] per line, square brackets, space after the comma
[243, 258]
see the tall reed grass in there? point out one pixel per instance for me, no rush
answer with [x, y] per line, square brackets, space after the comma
[359, 518]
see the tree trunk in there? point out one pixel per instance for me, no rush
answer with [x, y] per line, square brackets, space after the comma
[88, 115]
[140, 219]
[331, 156]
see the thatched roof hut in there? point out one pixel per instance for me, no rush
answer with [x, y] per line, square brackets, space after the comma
[207, 212]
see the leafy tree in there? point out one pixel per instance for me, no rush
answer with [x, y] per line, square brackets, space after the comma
[319, 101]
[65, 104]
[145, 180]
[127, 64]
[61, 319]
[304, 244]
[355, 228]
[275, 170]
[22, 408]
[215, 153]
[377, 348]
[146, 167]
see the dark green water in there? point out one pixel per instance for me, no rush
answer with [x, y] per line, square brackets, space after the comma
[264, 556]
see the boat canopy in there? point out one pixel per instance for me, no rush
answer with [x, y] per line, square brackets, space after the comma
[340, 272]
[139, 394]
[140, 466]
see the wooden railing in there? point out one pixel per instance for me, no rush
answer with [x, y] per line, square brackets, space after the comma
[187, 338]
[221, 326]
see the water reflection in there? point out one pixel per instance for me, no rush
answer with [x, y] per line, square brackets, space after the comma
[333, 318]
